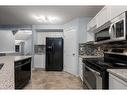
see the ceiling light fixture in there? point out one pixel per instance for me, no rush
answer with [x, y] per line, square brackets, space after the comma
[45, 19]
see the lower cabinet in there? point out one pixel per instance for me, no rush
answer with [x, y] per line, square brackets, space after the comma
[116, 82]
[80, 68]
[22, 73]
[39, 61]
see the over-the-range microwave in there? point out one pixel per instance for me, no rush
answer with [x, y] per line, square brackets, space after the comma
[114, 30]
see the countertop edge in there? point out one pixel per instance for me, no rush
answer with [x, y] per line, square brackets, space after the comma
[117, 75]
[85, 56]
[23, 58]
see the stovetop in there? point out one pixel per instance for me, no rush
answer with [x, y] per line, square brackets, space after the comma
[101, 64]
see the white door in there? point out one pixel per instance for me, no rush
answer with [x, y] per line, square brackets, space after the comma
[71, 50]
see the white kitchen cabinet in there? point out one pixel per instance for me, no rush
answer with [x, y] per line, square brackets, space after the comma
[80, 68]
[103, 16]
[39, 61]
[116, 83]
[106, 14]
[117, 10]
[92, 24]
[90, 36]
[41, 36]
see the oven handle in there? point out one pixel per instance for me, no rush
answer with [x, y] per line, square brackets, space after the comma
[97, 73]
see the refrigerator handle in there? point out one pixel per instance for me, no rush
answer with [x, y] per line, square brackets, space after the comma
[53, 50]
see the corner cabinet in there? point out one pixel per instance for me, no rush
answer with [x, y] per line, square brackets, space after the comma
[116, 82]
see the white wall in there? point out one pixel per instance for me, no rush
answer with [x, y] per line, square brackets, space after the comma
[7, 41]
[28, 46]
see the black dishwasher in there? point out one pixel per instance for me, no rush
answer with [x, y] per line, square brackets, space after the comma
[22, 73]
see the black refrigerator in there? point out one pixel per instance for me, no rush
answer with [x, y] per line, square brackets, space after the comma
[54, 54]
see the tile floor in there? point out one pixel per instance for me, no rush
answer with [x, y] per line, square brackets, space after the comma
[53, 80]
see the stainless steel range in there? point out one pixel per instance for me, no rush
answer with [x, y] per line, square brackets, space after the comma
[95, 74]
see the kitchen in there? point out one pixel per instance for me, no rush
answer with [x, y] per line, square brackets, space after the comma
[63, 49]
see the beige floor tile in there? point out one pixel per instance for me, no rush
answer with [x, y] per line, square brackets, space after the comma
[53, 80]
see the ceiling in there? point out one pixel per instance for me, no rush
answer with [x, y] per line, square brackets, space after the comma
[24, 14]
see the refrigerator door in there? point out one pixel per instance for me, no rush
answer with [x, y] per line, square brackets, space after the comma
[54, 54]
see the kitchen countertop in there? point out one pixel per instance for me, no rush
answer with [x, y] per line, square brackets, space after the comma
[18, 58]
[120, 73]
[7, 71]
[88, 56]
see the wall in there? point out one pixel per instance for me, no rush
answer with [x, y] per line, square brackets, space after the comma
[7, 41]
[28, 46]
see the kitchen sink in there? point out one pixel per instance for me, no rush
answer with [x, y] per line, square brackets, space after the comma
[1, 65]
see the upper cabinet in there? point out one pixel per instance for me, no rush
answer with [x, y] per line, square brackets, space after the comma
[92, 24]
[105, 14]
[116, 10]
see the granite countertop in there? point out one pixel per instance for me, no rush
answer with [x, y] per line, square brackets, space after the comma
[120, 73]
[88, 56]
[7, 71]
[18, 58]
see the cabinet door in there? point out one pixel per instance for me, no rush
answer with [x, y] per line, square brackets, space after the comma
[80, 68]
[41, 38]
[116, 83]
[90, 36]
[39, 61]
[117, 10]
[103, 16]
[92, 24]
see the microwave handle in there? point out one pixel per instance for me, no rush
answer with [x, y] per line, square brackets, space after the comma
[111, 29]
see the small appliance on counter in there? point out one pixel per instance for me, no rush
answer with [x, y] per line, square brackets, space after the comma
[95, 74]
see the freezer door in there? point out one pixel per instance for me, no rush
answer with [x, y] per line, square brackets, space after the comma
[54, 54]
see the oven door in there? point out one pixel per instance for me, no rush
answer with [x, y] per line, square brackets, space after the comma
[91, 78]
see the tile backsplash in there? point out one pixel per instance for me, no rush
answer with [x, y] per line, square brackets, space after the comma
[39, 49]
[92, 50]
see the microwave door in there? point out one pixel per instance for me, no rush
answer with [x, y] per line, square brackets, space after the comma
[102, 35]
